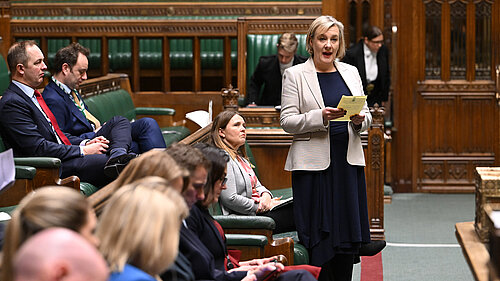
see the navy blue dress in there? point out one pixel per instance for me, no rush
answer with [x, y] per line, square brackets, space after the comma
[330, 206]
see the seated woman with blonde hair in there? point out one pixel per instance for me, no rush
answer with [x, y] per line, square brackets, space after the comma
[44, 208]
[139, 229]
[245, 195]
[155, 162]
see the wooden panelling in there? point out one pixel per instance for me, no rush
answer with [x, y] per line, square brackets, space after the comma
[456, 132]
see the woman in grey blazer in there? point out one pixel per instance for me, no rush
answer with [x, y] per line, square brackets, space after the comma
[326, 158]
[245, 195]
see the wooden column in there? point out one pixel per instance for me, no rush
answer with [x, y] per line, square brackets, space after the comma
[6, 39]
[104, 56]
[166, 64]
[136, 73]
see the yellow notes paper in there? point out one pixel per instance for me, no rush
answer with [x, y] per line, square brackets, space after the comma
[353, 105]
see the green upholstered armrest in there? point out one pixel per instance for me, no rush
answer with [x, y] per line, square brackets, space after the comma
[245, 222]
[300, 254]
[154, 111]
[38, 162]
[87, 189]
[246, 240]
[25, 172]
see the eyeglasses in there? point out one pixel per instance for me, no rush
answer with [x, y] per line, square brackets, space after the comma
[377, 42]
[224, 181]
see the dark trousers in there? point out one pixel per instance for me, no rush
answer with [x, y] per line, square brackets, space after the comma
[146, 135]
[118, 131]
[89, 168]
[339, 268]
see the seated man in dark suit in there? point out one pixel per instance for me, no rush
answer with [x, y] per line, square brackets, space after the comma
[371, 57]
[61, 95]
[29, 127]
[269, 72]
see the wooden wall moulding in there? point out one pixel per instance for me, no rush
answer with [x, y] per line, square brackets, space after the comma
[265, 116]
[95, 28]
[167, 9]
[455, 86]
[110, 82]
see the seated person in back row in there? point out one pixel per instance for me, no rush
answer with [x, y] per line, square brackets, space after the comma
[269, 72]
[29, 127]
[61, 95]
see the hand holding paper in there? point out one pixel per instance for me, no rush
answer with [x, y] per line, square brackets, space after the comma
[353, 106]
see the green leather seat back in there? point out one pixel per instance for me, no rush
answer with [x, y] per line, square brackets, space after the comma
[150, 53]
[54, 45]
[4, 75]
[264, 45]
[94, 45]
[115, 103]
[120, 54]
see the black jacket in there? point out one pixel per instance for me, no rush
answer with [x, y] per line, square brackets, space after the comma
[356, 56]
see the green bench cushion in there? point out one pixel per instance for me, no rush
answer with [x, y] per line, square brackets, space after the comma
[246, 240]
[25, 172]
[245, 222]
[174, 134]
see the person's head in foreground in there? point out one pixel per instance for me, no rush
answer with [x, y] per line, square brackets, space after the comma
[59, 254]
[44, 208]
[140, 226]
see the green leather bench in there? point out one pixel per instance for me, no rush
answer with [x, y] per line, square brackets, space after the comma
[118, 102]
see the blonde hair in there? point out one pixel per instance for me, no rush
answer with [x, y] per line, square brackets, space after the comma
[288, 42]
[46, 207]
[220, 122]
[155, 162]
[321, 25]
[140, 225]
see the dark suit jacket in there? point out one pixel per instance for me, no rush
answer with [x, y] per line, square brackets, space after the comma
[25, 129]
[268, 73]
[201, 223]
[68, 116]
[356, 56]
[202, 261]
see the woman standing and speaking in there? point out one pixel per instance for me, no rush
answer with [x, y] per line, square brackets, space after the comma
[326, 158]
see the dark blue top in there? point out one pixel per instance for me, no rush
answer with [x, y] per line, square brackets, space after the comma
[333, 88]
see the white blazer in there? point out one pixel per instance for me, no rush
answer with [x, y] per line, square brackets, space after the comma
[301, 106]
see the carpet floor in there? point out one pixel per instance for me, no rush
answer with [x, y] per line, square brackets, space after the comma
[420, 232]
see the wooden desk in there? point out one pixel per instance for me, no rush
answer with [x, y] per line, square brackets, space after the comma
[475, 252]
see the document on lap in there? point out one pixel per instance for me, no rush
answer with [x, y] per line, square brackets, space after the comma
[353, 106]
[283, 203]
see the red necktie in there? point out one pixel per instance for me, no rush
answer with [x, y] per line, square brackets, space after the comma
[49, 114]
